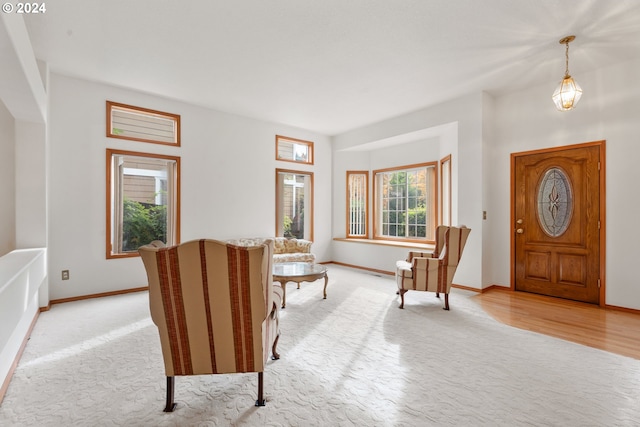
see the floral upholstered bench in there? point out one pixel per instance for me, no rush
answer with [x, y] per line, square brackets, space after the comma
[284, 250]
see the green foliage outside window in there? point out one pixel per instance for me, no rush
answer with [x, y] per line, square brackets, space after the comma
[417, 222]
[287, 226]
[404, 211]
[293, 229]
[142, 224]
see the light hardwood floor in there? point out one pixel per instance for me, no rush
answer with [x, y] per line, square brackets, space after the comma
[607, 329]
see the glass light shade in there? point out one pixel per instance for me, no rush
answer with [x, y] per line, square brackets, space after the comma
[567, 94]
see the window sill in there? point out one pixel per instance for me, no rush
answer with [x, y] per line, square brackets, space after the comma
[393, 243]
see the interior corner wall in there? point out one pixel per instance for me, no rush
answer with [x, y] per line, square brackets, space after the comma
[7, 182]
[31, 185]
[467, 113]
[488, 135]
[449, 146]
[607, 111]
[227, 181]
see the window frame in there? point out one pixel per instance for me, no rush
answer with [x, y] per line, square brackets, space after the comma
[445, 191]
[377, 214]
[294, 141]
[111, 197]
[366, 205]
[111, 106]
[279, 196]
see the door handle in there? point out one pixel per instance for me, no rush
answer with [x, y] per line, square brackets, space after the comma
[519, 221]
[519, 231]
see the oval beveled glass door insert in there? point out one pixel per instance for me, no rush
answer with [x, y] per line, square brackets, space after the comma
[555, 202]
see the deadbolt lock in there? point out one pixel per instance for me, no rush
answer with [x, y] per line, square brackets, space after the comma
[519, 231]
[519, 221]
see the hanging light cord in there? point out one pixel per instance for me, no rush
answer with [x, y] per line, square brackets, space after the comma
[566, 54]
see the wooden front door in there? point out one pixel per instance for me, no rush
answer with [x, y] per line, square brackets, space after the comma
[557, 220]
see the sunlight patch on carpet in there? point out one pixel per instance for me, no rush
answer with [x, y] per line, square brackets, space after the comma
[90, 344]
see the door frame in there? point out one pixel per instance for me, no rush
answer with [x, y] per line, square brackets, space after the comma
[603, 216]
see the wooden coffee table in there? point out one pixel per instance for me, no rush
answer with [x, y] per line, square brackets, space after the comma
[298, 272]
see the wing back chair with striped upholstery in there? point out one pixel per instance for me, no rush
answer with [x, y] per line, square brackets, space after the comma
[440, 231]
[433, 271]
[215, 306]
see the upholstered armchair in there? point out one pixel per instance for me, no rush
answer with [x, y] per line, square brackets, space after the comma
[215, 306]
[433, 271]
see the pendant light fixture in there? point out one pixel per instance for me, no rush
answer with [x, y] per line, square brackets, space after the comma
[568, 92]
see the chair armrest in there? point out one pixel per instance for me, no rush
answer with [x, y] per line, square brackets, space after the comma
[413, 254]
[403, 265]
[423, 263]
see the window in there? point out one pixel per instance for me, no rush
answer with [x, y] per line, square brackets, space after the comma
[294, 204]
[141, 124]
[445, 190]
[405, 202]
[294, 150]
[357, 204]
[143, 201]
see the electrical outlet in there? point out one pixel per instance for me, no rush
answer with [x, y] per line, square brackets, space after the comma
[65, 274]
[484, 214]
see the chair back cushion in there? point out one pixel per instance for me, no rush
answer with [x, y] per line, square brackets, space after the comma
[440, 232]
[455, 239]
[209, 301]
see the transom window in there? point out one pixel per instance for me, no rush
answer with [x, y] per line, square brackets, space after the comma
[294, 150]
[142, 124]
[405, 205]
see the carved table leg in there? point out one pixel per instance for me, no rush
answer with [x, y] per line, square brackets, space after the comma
[284, 293]
[326, 280]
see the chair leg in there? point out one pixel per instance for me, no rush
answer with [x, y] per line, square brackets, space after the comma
[446, 301]
[260, 401]
[170, 406]
[274, 353]
[402, 292]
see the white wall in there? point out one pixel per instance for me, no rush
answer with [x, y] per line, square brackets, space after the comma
[227, 189]
[609, 110]
[427, 150]
[7, 182]
[31, 185]
[459, 129]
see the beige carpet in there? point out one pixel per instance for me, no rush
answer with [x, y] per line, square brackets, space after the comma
[353, 359]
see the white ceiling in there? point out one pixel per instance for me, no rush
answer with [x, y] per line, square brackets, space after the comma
[331, 65]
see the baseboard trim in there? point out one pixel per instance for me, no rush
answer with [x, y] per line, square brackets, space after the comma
[495, 288]
[625, 309]
[466, 288]
[374, 270]
[100, 295]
